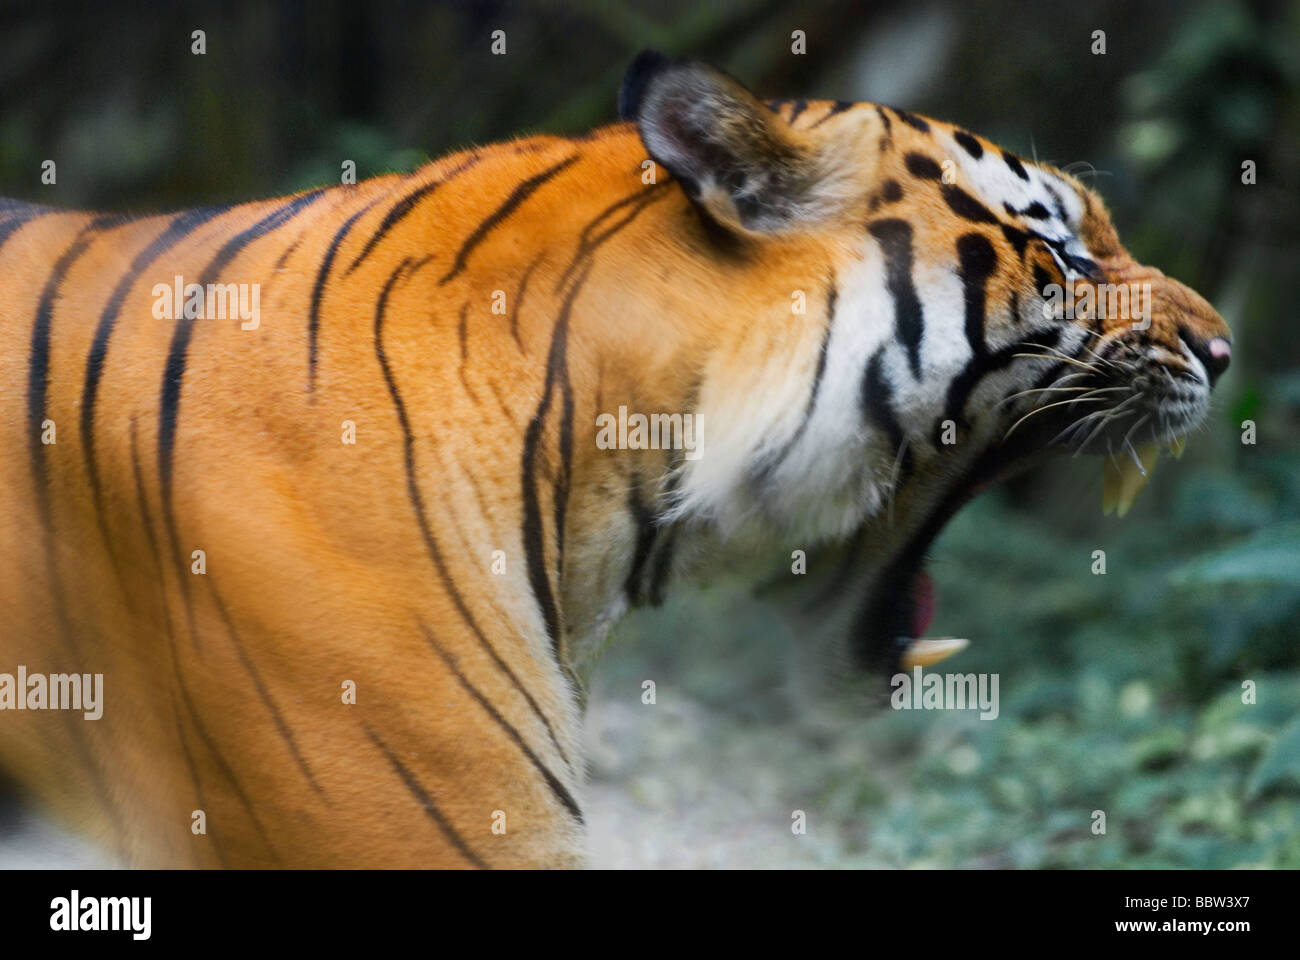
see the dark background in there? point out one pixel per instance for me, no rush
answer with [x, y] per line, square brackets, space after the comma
[1119, 692]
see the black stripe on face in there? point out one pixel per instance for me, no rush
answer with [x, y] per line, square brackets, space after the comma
[318, 291]
[561, 792]
[404, 207]
[180, 227]
[878, 405]
[912, 120]
[799, 107]
[838, 107]
[421, 514]
[1035, 211]
[1043, 279]
[890, 192]
[919, 165]
[966, 206]
[1013, 162]
[964, 384]
[177, 356]
[978, 262]
[425, 801]
[895, 238]
[968, 143]
[1018, 238]
[512, 203]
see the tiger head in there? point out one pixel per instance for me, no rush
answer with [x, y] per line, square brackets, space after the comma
[976, 311]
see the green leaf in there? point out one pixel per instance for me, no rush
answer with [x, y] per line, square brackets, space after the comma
[1268, 556]
[1280, 763]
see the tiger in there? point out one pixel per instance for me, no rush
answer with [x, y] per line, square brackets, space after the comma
[345, 563]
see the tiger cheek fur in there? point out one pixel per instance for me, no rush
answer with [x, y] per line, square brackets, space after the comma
[346, 567]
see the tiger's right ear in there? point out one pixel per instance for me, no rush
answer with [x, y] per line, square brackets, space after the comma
[742, 164]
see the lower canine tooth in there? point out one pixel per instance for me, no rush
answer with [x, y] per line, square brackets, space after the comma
[927, 652]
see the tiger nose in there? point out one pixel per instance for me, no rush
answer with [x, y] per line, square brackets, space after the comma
[1215, 354]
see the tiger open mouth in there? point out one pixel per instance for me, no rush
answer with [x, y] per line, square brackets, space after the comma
[1128, 436]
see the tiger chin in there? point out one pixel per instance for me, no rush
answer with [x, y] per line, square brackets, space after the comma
[346, 566]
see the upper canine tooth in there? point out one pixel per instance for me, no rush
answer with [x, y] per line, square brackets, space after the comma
[1134, 475]
[1177, 446]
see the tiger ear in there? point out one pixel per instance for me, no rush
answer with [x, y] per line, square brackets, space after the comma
[742, 164]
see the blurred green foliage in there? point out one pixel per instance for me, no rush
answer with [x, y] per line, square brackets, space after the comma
[1121, 692]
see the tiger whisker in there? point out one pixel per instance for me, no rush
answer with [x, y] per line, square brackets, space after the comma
[1062, 359]
[1090, 390]
[1049, 406]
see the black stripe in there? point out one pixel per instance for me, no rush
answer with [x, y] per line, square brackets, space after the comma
[223, 767]
[462, 333]
[262, 692]
[174, 372]
[23, 215]
[1018, 238]
[405, 206]
[38, 385]
[884, 118]
[561, 792]
[38, 389]
[895, 237]
[663, 566]
[964, 205]
[142, 502]
[421, 515]
[647, 530]
[919, 165]
[533, 533]
[1014, 163]
[589, 240]
[912, 120]
[512, 202]
[180, 227]
[519, 300]
[978, 262]
[832, 295]
[318, 291]
[839, 106]
[964, 384]
[968, 143]
[799, 107]
[426, 801]
[878, 404]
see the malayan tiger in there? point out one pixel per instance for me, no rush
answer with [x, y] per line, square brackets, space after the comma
[344, 563]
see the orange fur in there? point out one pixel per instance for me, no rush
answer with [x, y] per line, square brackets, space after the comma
[318, 569]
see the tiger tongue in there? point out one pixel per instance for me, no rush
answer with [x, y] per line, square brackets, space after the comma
[922, 603]
[1123, 478]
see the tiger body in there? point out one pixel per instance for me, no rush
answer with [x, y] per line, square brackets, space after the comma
[462, 562]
